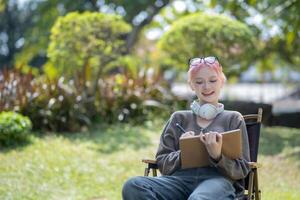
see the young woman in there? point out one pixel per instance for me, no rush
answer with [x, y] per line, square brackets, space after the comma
[223, 178]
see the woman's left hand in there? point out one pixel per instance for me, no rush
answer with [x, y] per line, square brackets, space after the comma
[213, 143]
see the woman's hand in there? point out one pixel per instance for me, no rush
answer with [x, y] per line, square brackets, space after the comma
[213, 143]
[187, 134]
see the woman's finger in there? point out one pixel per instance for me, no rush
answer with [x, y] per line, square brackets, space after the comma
[210, 138]
[192, 133]
[187, 134]
[219, 137]
[202, 138]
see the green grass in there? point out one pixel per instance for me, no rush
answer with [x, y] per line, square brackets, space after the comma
[95, 164]
[280, 157]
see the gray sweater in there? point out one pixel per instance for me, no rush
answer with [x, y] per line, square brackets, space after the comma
[168, 154]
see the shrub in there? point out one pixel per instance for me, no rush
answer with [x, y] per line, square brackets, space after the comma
[16, 90]
[124, 97]
[205, 35]
[50, 104]
[67, 105]
[86, 42]
[14, 127]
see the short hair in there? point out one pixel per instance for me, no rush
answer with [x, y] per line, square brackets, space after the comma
[193, 69]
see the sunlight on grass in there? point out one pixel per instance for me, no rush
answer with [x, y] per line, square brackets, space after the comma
[78, 166]
[94, 165]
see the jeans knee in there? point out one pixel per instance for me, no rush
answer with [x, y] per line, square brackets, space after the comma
[214, 189]
[196, 197]
[130, 187]
[129, 184]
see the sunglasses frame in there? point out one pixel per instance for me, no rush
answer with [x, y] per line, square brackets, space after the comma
[204, 59]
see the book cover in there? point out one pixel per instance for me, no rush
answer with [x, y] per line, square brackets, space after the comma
[194, 153]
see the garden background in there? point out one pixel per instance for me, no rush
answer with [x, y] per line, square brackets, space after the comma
[87, 86]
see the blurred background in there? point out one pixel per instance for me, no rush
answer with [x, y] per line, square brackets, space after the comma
[85, 72]
[79, 45]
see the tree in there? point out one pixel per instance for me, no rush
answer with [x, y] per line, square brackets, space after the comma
[139, 13]
[203, 35]
[25, 28]
[43, 14]
[13, 25]
[86, 43]
[29, 25]
[275, 25]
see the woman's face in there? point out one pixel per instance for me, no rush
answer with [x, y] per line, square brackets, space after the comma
[207, 85]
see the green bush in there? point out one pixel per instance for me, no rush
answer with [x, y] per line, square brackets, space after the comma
[86, 42]
[14, 127]
[203, 34]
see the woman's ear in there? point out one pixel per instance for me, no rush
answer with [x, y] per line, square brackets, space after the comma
[222, 83]
[191, 85]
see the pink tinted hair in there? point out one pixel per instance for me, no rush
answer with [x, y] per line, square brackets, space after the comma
[215, 66]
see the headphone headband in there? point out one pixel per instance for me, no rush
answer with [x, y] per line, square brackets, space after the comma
[207, 111]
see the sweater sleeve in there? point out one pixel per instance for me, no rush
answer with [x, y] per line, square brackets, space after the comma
[168, 153]
[239, 168]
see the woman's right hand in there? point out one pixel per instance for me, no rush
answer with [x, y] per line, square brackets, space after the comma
[187, 134]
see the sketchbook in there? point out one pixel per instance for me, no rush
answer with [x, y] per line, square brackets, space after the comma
[194, 153]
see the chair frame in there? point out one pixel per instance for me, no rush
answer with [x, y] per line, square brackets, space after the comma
[253, 191]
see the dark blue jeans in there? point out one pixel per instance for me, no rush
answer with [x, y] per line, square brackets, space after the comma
[192, 184]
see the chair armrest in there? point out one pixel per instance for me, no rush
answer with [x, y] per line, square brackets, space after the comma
[151, 165]
[254, 165]
[149, 161]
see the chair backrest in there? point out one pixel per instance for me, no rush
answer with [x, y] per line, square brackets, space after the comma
[253, 123]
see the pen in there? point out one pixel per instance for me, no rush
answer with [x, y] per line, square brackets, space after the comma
[180, 128]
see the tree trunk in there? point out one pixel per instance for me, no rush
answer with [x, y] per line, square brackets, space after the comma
[152, 11]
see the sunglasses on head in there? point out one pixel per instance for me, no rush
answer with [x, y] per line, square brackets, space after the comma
[206, 60]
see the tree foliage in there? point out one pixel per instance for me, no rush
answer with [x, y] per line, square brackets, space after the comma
[25, 30]
[13, 25]
[42, 15]
[80, 42]
[201, 34]
[139, 13]
[277, 27]
[27, 27]
[275, 24]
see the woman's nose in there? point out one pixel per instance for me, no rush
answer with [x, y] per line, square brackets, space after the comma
[205, 86]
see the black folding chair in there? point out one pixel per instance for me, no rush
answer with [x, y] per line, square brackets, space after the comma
[253, 124]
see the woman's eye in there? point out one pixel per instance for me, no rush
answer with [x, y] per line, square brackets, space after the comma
[213, 81]
[198, 83]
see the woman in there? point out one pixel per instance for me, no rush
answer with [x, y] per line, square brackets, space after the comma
[222, 179]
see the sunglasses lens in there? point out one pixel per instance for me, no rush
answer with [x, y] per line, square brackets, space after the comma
[195, 61]
[210, 59]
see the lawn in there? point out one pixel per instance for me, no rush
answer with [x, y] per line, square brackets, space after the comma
[95, 164]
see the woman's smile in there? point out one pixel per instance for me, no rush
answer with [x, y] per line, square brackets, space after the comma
[207, 94]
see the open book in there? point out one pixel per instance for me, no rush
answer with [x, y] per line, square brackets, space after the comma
[194, 153]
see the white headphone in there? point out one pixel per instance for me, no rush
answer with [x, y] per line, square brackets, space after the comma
[207, 110]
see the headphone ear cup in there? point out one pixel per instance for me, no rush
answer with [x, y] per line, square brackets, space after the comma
[208, 111]
[220, 108]
[195, 106]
